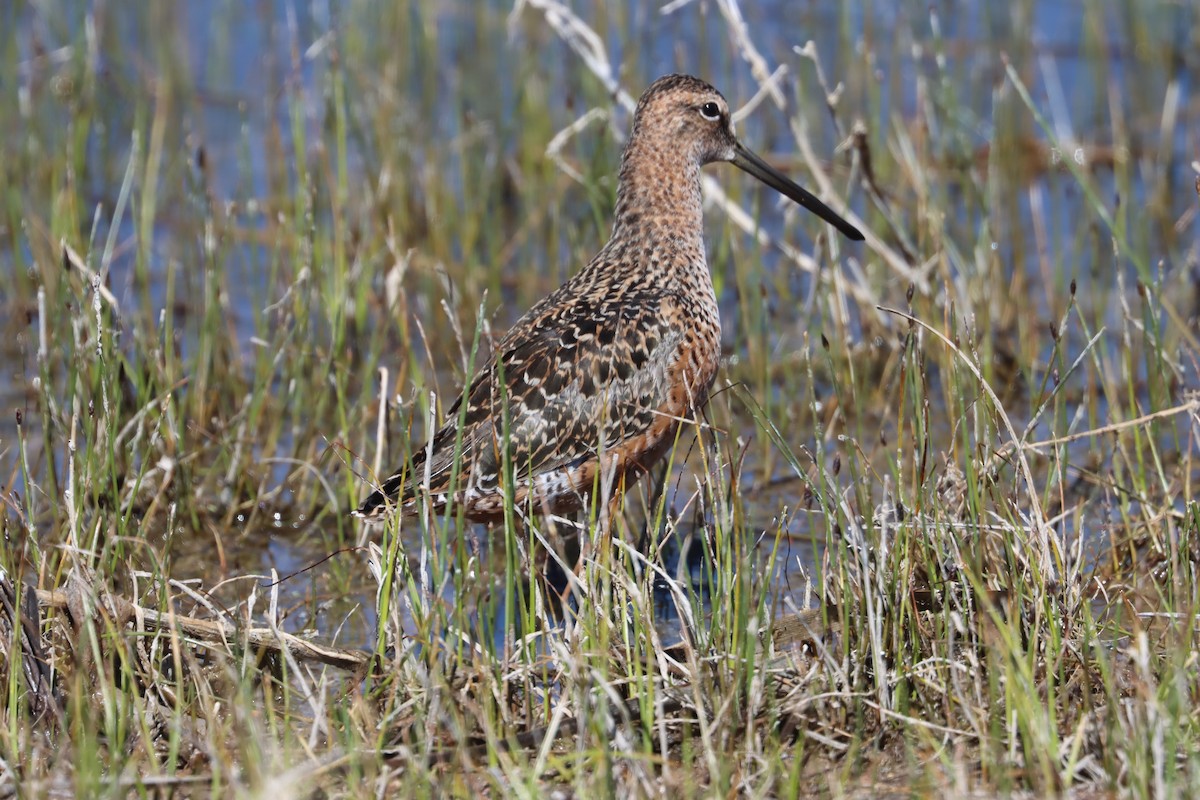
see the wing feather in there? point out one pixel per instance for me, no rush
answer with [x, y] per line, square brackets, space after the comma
[581, 376]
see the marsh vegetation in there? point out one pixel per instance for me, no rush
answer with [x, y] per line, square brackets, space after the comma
[936, 534]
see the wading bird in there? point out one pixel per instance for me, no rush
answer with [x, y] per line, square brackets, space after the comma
[586, 392]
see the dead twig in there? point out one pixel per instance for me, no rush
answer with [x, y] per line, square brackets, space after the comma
[220, 633]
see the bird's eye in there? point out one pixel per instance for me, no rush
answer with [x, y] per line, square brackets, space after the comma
[710, 111]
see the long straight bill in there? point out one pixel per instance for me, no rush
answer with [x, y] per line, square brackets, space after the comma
[747, 161]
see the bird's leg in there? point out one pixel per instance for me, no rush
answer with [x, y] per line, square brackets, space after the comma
[557, 548]
[597, 542]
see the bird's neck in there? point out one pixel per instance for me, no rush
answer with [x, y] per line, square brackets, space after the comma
[659, 200]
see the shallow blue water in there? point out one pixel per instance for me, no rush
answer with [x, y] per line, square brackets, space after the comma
[241, 56]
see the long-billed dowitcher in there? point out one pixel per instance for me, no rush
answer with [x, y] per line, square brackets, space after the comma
[596, 378]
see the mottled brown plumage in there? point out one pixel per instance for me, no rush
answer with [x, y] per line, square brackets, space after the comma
[597, 376]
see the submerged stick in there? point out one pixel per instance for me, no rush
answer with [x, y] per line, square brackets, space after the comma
[211, 632]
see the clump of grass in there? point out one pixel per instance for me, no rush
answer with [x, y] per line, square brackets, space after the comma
[982, 423]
